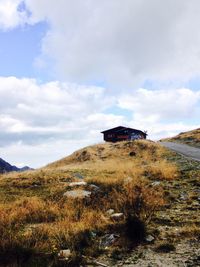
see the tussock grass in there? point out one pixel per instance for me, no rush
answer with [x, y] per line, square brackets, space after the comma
[34, 214]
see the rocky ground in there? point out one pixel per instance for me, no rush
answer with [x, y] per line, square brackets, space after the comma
[174, 235]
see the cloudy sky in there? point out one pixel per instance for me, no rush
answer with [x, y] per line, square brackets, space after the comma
[72, 68]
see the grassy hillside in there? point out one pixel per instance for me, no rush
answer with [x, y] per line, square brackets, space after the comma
[190, 138]
[38, 217]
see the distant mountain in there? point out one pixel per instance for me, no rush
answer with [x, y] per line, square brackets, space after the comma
[7, 167]
[25, 168]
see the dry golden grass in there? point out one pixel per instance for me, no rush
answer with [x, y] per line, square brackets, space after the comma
[35, 215]
[190, 138]
[190, 230]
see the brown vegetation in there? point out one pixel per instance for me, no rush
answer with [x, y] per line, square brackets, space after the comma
[190, 138]
[35, 216]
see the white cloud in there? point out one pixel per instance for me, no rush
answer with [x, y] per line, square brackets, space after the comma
[121, 42]
[43, 122]
[163, 113]
[12, 14]
[35, 113]
[171, 104]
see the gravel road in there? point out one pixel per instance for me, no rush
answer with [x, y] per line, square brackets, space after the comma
[185, 150]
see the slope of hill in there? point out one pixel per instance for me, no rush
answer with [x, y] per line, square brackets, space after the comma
[99, 202]
[190, 138]
[6, 167]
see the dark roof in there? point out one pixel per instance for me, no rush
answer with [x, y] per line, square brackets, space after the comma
[115, 129]
[122, 128]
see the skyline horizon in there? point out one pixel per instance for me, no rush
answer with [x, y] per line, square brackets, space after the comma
[69, 68]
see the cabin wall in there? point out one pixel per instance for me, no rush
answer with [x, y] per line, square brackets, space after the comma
[122, 136]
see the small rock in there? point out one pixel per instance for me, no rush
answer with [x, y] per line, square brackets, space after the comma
[110, 212]
[183, 196]
[108, 240]
[128, 180]
[74, 184]
[128, 261]
[77, 193]
[64, 254]
[94, 187]
[78, 175]
[149, 238]
[117, 216]
[156, 183]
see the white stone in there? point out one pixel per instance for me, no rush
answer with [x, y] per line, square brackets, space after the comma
[65, 254]
[156, 183]
[110, 212]
[77, 193]
[150, 238]
[73, 184]
[94, 187]
[117, 216]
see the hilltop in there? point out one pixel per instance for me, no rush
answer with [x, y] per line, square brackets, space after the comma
[111, 202]
[190, 138]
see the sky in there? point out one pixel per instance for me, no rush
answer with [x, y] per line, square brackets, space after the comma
[71, 69]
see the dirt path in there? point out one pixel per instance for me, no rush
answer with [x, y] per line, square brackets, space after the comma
[185, 150]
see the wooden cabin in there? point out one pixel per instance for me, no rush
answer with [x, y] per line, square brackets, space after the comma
[121, 133]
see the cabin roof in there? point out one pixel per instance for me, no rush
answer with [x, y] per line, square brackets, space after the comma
[122, 128]
[115, 129]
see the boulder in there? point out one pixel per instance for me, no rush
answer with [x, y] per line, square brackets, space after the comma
[79, 193]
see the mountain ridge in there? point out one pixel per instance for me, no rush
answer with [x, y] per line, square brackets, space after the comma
[7, 167]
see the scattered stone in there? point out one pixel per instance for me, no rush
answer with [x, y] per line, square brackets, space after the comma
[156, 183]
[78, 175]
[117, 216]
[64, 254]
[110, 212]
[183, 196]
[77, 193]
[150, 239]
[34, 184]
[108, 240]
[74, 184]
[94, 187]
[128, 180]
